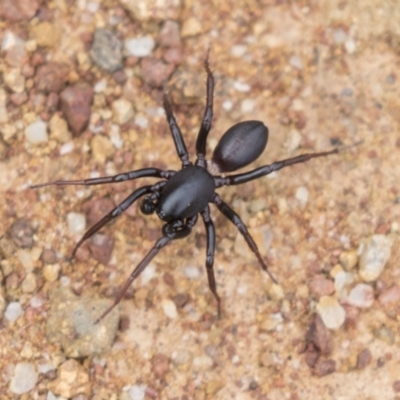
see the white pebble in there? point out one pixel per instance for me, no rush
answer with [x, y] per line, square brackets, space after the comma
[241, 87]
[66, 148]
[331, 312]
[350, 46]
[362, 295]
[36, 301]
[51, 396]
[100, 86]
[247, 105]
[169, 308]
[122, 111]
[140, 47]
[24, 379]
[339, 35]
[13, 311]
[37, 132]
[137, 392]
[76, 222]
[374, 254]
[296, 62]
[238, 50]
[302, 195]
[45, 368]
[191, 271]
[227, 105]
[141, 122]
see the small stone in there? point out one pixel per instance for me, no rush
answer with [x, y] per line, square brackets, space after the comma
[296, 62]
[160, 365]
[122, 111]
[396, 386]
[192, 272]
[13, 311]
[36, 132]
[59, 129]
[24, 379]
[14, 80]
[191, 27]
[302, 195]
[51, 77]
[140, 47]
[21, 233]
[76, 102]
[137, 392]
[385, 334]
[51, 272]
[276, 292]
[270, 323]
[106, 50]
[45, 34]
[18, 10]
[374, 254]
[102, 148]
[324, 367]
[71, 323]
[72, 380]
[101, 247]
[76, 222]
[153, 9]
[214, 386]
[339, 35]
[348, 259]
[318, 335]
[362, 296]
[29, 283]
[169, 308]
[331, 312]
[169, 35]
[364, 358]
[321, 286]
[155, 72]
[390, 295]
[238, 50]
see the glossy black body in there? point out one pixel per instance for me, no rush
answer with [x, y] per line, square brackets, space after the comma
[186, 194]
[240, 145]
[181, 196]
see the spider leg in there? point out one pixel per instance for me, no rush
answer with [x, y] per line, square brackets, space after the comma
[238, 179]
[171, 231]
[237, 221]
[113, 214]
[207, 118]
[126, 176]
[209, 225]
[176, 133]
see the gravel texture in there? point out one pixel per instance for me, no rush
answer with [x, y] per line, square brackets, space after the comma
[81, 91]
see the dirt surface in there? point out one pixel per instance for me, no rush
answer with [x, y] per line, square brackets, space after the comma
[319, 75]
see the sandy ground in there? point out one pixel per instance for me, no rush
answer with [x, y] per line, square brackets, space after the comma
[319, 74]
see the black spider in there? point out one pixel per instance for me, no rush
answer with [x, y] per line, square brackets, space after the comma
[183, 194]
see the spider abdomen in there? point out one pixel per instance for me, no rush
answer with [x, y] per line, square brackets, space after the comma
[186, 194]
[240, 145]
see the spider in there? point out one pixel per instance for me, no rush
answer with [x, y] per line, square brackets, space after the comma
[182, 195]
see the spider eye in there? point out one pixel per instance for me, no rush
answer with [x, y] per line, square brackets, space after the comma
[147, 207]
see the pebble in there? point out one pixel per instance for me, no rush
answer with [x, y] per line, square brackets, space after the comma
[14, 80]
[21, 232]
[137, 392]
[59, 129]
[182, 358]
[102, 148]
[339, 36]
[143, 10]
[45, 34]
[122, 111]
[101, 247]
[160, 365]
[106, 51]
[192, 272]
[14, 47]
[363, 358]
[324, 367]
[169, 308]
[385, 334]
[72, 380]
[36, 132]
[24, 379]
[51, 77]
[76, 222]
[348, 259]
[169, 35]
[191, 27]
[71, 324]
[321, 286]
[241, 87]
[75, 103]
[296, 62]
[140, 47]
[332, 313]
[302, 195]
[51, 272]
[374, 254]
[238, 50]
[247, 106]
[155, 72]
[362, 296]
[343, 279]
[29, 284]
[13, 311]
[319, 335]
[19, 10]
[390, 295]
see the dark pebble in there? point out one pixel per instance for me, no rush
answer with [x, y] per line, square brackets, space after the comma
[101, 247]
[396, 386]
[324, 367]
[155, 72]
[51, 77]
[21, 233]
[18, 10]
[318, 335]
[49, 256]
[160, 365]
[363, 358]
[170, 35]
